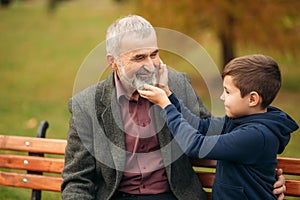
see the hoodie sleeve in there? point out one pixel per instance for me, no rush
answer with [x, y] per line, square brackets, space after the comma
[192, 119]
[205, 126]
[242, 145]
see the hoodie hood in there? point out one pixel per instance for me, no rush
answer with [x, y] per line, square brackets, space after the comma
[280, 123]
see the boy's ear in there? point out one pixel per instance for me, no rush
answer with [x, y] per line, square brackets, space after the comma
[111, 61]
[254, 99]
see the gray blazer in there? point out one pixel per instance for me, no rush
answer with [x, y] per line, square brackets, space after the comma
[95, 155]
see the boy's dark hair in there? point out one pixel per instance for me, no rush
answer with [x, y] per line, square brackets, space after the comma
[258, 73]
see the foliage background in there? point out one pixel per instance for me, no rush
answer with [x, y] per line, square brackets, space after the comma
[41, 52]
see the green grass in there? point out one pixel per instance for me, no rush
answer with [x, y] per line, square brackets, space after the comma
[39, 58]
[40, 54]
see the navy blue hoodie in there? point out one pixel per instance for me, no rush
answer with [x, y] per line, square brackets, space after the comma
[246, 147]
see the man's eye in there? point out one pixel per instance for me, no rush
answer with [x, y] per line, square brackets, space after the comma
[138, 58]
[153, 55]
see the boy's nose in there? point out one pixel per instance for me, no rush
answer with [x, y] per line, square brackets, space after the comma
[222, 97]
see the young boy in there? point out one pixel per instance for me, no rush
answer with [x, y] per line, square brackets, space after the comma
[252, 132]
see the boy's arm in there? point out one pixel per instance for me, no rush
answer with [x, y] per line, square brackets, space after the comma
[186, 136]
[191, 118]
[232, 146]
[160, 97]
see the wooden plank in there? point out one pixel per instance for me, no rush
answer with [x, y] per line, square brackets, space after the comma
[30, 181]
[203, 162]
[289, 165]
[292, 188]
[35, 145]
[32, 163]
[55, 165]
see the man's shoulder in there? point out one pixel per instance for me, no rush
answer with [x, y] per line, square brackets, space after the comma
[176, 74]
[86, 92]
[86, 97]
[178, 80]
[91, 90]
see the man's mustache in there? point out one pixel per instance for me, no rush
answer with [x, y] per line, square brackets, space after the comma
[143, 70]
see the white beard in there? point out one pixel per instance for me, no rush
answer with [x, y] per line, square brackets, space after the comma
[138, 82]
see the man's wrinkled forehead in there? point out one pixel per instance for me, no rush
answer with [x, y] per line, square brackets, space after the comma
[133, 42]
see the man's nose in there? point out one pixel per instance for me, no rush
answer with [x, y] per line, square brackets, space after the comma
[149, 65]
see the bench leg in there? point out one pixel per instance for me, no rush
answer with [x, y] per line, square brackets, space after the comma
[36, 195]
[41, 133]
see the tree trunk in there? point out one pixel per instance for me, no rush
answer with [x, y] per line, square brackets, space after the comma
[226, 37]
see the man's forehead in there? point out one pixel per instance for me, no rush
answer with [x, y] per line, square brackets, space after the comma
[141, 51]
[137, 44]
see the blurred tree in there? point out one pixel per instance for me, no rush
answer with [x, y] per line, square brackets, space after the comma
[5, 3]
[268, 23]
[52, 4]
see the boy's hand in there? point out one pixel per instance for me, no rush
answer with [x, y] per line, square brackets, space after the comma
[155, 95]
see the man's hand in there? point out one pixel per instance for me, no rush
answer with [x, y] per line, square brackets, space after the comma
[279, 185]
[162, 77]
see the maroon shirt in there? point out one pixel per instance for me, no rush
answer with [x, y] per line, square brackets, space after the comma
[144, 170]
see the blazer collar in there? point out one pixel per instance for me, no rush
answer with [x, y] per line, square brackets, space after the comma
[109, 117]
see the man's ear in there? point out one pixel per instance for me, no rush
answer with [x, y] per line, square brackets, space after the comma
[254, 99]
[111, 61]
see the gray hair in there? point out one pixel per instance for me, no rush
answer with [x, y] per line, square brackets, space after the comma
[131, 24]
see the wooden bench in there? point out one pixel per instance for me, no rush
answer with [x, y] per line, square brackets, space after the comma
[32, 162]
[41, 166]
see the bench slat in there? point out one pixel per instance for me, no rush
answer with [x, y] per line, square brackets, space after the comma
[34, 145]
[31, 163]
[204, 168]
[30, 181]
[289, 166]
[292, 188]
[203, 162]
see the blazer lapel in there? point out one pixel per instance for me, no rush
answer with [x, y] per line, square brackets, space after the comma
[113, 130]
[109, 117]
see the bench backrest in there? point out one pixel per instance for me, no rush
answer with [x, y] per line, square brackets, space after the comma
[34, 163]
[30, 166]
